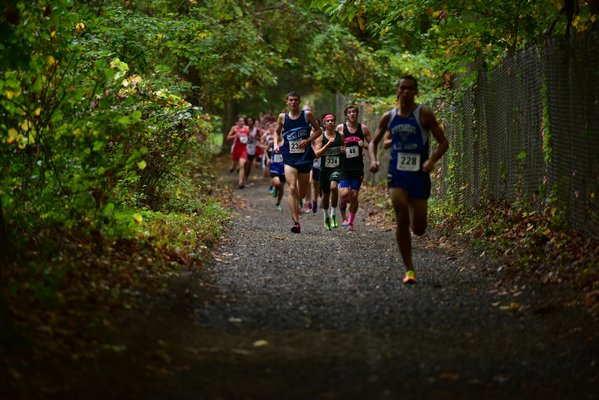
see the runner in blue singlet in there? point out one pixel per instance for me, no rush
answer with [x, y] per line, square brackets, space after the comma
[296, 127]
[275, 164]
[407, 129]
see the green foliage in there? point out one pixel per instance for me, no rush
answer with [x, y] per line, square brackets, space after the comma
[84, 133]
[455, 33]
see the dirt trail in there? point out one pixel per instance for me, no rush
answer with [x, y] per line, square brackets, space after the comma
[324, 315]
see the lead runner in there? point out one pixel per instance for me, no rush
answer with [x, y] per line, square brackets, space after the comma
[408, 129]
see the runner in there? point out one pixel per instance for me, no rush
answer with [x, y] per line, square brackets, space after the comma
[409, 127]
[315, 184]
[329, 148]
[254, 134]
[238, 134]
[266, 141]
[275, 164]
[356, 137]
[295, 128]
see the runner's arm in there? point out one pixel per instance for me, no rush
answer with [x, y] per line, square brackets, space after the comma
[430, 122]
[278, 131]
[381, 129]
[387, 143]
[316, 129]
[319, 149]
[231, 134]
[367, 136]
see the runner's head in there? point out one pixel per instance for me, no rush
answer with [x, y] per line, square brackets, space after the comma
[350, 108]
[407, 83]
[328, 120]
[293, 93]
[293, 100]
[351, 113]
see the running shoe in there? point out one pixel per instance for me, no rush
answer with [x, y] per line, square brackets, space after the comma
[410, 276]
[344, 223]
[350, 227]
[278, 207]
[275, 192]
[307, 207]
[296, 228]
[334, 222]
[241, 186]
[327, 224]
[271, 189]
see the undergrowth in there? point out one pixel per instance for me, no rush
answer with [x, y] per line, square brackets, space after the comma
[59, 290]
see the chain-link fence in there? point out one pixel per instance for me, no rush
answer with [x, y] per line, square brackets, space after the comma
[528, 132]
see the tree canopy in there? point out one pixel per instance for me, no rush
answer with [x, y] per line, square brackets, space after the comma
[101, 99]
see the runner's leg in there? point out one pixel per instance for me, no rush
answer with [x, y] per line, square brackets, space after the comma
[241, 179]
[418, 216]
[401, 200]
[291, 176]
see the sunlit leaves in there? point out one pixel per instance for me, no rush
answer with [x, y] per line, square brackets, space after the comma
[456, 33]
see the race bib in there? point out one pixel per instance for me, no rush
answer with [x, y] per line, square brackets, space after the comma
[352, 151]
[252, 147]
[243, 139]
[332, 162]
[277, 158]
[316, 163]
[294, 147]
[408, 162]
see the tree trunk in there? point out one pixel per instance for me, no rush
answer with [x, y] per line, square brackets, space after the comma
[228, 121]
[4, 247]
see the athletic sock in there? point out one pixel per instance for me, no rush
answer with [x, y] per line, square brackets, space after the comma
[351, 217]
[332, 214]
[325, 213]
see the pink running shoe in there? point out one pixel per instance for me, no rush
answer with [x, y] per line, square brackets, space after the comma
[296, 228]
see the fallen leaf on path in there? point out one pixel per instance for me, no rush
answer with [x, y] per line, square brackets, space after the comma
[242, 352]
[115, 347]
[513, 306]
[449, 376]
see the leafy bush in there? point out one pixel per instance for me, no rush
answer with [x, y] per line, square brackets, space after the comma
[85, 135]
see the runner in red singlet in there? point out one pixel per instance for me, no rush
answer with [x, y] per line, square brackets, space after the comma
[238, 134]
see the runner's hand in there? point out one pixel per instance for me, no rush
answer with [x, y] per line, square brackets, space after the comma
[374, 167]
[428, 165]
[304, 143]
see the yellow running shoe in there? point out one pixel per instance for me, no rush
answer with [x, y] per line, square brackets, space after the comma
[410, 276]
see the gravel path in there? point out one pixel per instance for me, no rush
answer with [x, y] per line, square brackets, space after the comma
[324, 315]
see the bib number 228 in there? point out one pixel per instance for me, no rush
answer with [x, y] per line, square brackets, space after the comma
[408, 162]
[294, 147]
